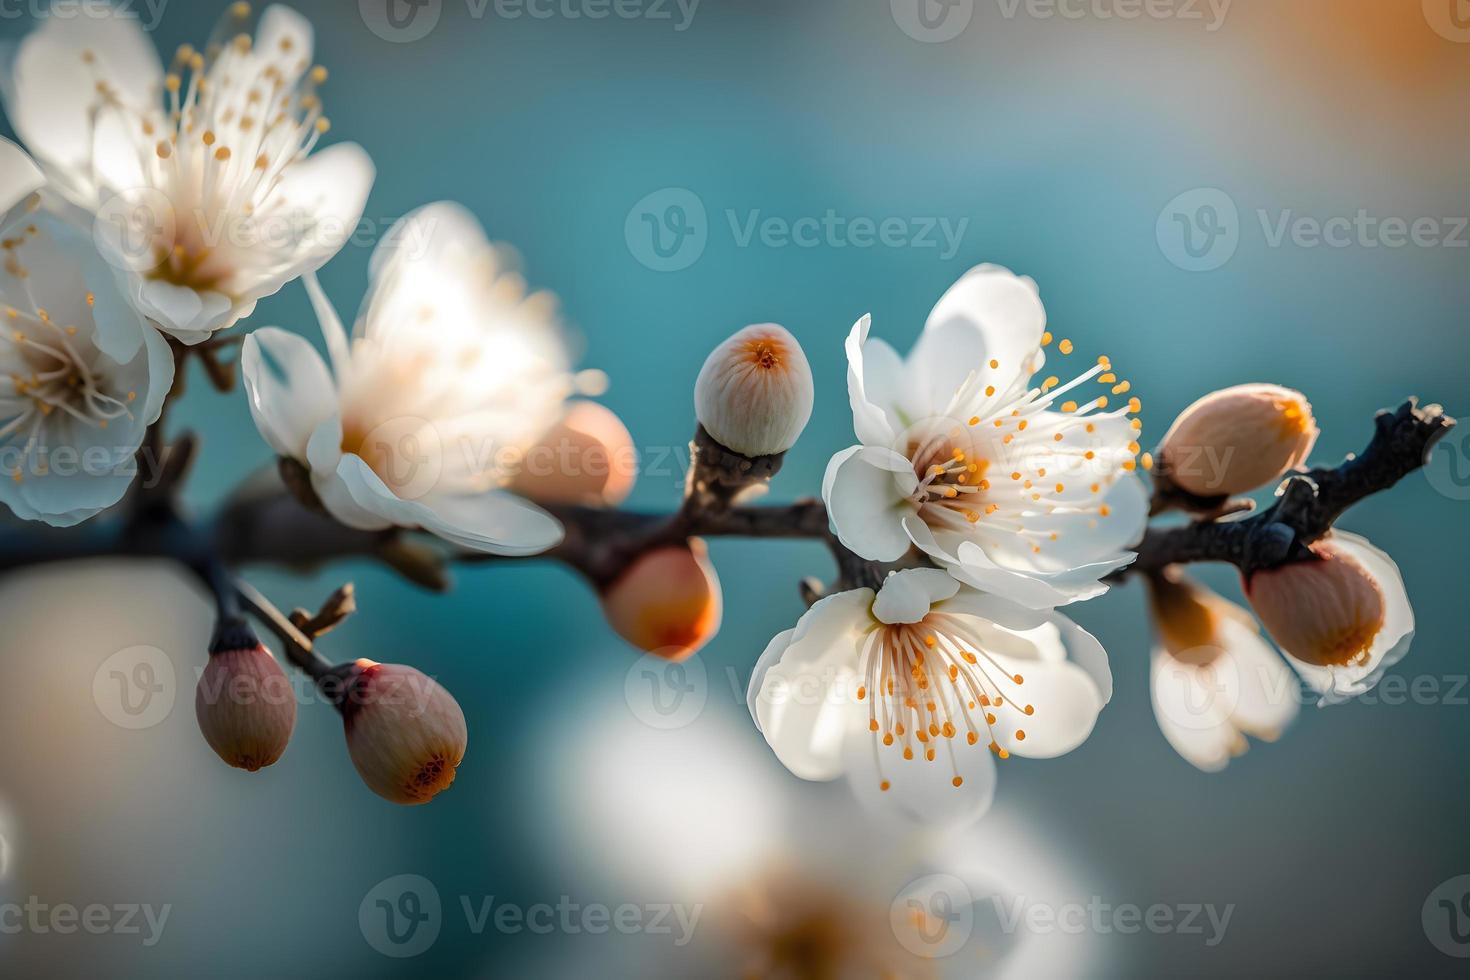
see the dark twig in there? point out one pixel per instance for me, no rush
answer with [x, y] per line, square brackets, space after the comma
[1308, 505]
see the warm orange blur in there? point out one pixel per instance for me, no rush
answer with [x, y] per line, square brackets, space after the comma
[668, 602]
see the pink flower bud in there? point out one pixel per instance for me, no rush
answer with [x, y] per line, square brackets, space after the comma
[754, 393]
[1327, 612]
[246, 707]
[667, 602]
[587, 458]
[406, 734]
[1238, 440]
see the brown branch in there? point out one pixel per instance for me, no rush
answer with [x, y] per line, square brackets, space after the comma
[1308, 505]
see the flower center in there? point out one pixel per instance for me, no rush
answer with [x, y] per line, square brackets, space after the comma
[51, 375]
[1054, 455]
[931, 682]
[766, 353]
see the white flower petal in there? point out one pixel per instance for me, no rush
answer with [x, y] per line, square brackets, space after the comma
[496, 523]
[1192, 709]
[1067, 703]
[874, 383]
[867, 500]
[19, 179]
[330, 189]
[1006, 313]
[288, 388]
[50, 92]
[919, 791]
[806, 704]
[908, 595]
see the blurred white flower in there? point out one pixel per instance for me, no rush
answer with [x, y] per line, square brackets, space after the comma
[1342, 619]
[964, 458]
[200, 183]
[1215, 678]
[451, 373]
[910, 691]
[764, 869]
[81, 375]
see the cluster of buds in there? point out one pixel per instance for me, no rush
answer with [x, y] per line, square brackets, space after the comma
[1337, 608]
[753, 398]
[406, 734]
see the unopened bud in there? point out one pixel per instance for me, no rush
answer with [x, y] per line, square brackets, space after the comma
[1187, 619]
[667, 602]
[754, 393]
[406, 734]
[1325, 612]
[587, 458]
[246, 707]
[1238, 440]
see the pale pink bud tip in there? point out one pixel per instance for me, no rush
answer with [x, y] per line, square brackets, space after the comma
[754, 393]
[1238, 440]
[1326, 612]
[406, 734]
[246, 707]
[587, 458]
[667, 602]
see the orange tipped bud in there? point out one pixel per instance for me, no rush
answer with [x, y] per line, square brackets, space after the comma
[587, 458]
[406, 734]
[246, 707]
[1326, 612]
[667, 602]
[754, 393]
[1238, 440]
[1187, 618]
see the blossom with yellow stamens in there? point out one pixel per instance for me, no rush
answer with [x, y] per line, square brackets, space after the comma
[913, 691]
[200, 183]
[1025, 490]
[81, 375]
